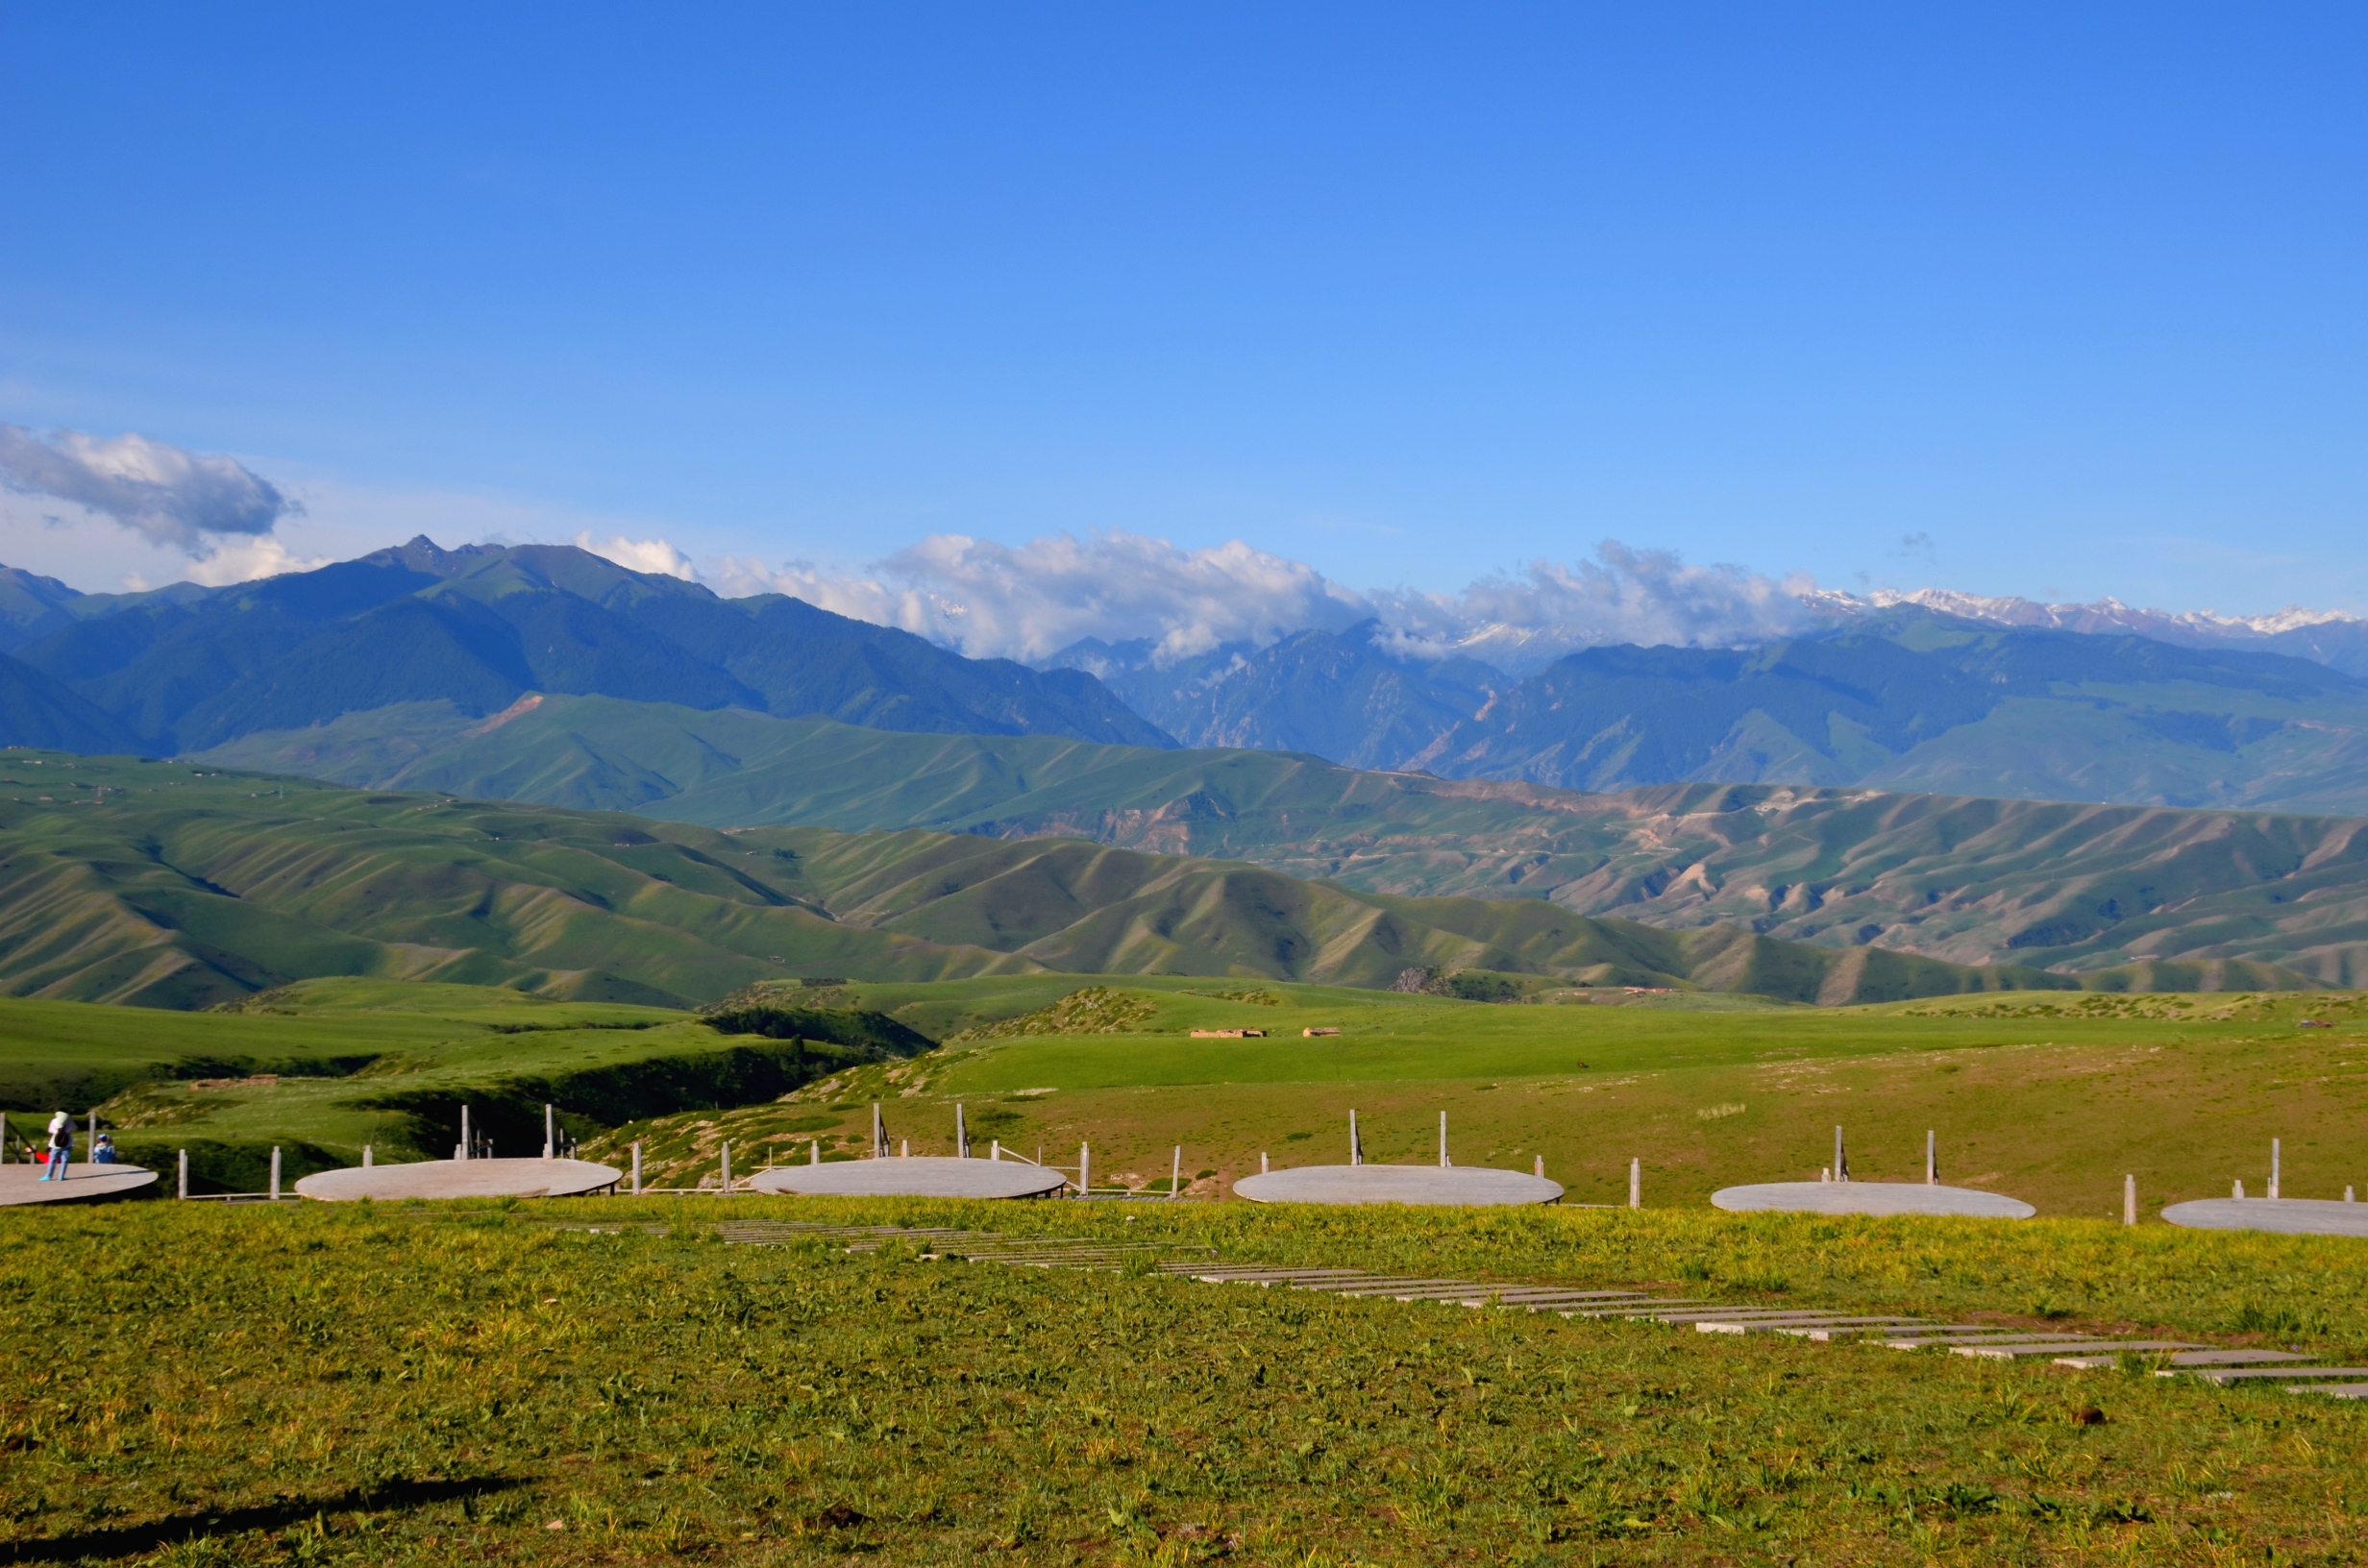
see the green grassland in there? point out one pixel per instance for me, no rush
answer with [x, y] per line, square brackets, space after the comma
[2052, 1099]
[1971, 878]
[200, 1384]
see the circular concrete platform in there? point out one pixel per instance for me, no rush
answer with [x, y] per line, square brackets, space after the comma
[1868, 1198]
[931, 1176]
[2287, 1216]
[528, 1178]
[1455, 1185]
[82, 1183]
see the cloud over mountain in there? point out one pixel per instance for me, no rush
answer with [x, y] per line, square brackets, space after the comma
[176, 497]
[1031, 600]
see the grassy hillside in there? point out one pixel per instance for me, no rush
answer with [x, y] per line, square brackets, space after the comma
[411, 1387]
[1970, 880]
[167, 884]
[2052, 1098]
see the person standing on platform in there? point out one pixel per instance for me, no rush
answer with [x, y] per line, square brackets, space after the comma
[60, 1146]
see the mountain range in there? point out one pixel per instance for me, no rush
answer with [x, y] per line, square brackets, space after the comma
[1903, 700]
[479, 628]
[169, 885]
[1901, 697]
[2077, 887]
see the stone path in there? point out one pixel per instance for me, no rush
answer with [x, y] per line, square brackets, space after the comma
[2168, 1358]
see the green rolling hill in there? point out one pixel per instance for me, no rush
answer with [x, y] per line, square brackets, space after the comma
[2082, 888]
[170, 885]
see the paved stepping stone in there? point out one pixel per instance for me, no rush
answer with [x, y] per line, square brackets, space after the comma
[2254, 1374]
[2332, 1390]
[2016, 1351]
[1800, 1326]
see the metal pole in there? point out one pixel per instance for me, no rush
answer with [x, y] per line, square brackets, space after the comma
[994, 1150]
[1444, 1161]
[1540, 1167]
[2238, 1188]
[367, 1160]
[466, 1152]
[275, 1173]
[637, 1167]
[551, 1132]
[728, 1167]
[1085, 1170]
[905, 1149]
[1356, 1149]
[1931, 1161]
[185, 1175]
[1841, 1162]
[961, 1133]
[2129, 1200]
[814, 1154]
[1175, 1172]
[1262, 1162]
[1636, 1184]
[880, 1134]
[2274, 1151]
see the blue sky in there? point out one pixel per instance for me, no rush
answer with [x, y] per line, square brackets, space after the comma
[2033, 300]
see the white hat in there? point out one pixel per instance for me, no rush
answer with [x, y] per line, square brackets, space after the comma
[59, 1120]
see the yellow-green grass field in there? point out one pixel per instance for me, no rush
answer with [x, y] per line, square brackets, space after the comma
[204, 1383]
[2054, 1100]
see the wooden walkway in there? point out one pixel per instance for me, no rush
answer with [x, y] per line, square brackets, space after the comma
[1987, 1341]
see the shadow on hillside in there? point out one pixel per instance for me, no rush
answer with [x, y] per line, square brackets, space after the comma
[128, 1540]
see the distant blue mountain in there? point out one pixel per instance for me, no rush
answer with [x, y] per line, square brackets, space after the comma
[481, 625]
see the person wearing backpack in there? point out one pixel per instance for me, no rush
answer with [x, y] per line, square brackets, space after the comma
[60, 1146]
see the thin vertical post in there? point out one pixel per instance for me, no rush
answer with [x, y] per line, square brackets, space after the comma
[2347, 1195]
[1356, 1149]
[1932, 1159]
[551, 1132]
[1262, 1162]
[728, 1167]
[368, 1158]
[1636, 1184]
[466, 1152]
[1175, 1171]
[994, 1149]
[275, 1173]
[1539, 1167]
[961, 1133]
[2238, 1188]
[814, 1153]
[183, 1162]
[2129, 1200]
[1841, 1161]
[2275, 1150]
[637, 1167]
[880, 1134]
[905, 1149]
[1444, 1161]
[1085, 1170]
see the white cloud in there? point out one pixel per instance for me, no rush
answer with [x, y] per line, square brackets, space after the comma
[1648, 596]
[1033, 599]
[653, 555]
[170, 496]
[242, 560]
